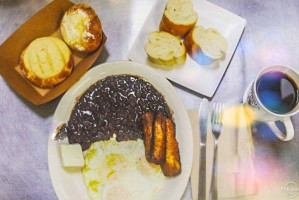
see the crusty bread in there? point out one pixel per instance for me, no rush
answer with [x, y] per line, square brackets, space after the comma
[165, 49]
[81, 28]
[204, 45]
[46, 61]
[179, 17]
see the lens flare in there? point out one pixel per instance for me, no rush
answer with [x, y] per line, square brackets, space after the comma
[238, 116]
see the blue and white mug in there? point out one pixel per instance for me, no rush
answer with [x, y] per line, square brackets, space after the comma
[262, 113]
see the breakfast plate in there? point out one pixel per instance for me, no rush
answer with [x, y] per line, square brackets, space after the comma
[68, 183]
[203, 79]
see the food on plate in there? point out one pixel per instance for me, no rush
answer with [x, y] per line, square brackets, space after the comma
[71, 155]
[164, 148]
[109, 121]
[172, 164]
[113, 105]
[46, 61]
[81, 28]
[179, 17]
[205, 45]
[119, 170]
[165, 49]
[147, 124]
[159, 139]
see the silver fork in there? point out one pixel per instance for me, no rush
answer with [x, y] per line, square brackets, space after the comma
[216, 121]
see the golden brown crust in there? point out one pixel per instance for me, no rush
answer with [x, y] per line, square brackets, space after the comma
[172, 165]
[147, 123]
[46, 82]
[191, 47]
[163, 27]
[175, 29]
[95, 28]
[159, 140]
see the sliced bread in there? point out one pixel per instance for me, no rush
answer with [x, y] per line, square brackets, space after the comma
[204, 44]
[179, 17]
[165, 49]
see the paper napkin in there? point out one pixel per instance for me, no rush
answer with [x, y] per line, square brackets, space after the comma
[236, 177]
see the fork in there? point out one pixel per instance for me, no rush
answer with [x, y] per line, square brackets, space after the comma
[216, 121]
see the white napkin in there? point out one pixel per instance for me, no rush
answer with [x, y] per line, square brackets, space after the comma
[236, 176]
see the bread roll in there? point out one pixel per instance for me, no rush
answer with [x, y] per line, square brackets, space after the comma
[81, 28]
[165, 49]
[46, 61]
[205, 45]
[179, 17]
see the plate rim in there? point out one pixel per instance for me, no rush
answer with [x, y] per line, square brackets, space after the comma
[57, 189]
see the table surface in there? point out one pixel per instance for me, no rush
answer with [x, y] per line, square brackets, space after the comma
[270, 37]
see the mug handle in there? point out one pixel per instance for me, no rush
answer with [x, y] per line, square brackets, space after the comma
[288, 126]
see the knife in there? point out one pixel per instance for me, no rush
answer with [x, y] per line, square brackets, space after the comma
[203, 123]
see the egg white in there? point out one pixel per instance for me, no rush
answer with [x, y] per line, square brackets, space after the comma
[118, 170]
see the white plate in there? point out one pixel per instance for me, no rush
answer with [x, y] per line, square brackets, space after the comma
[203, 79]
[69, 184]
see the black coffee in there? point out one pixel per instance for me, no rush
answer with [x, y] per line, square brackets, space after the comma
[278, 92]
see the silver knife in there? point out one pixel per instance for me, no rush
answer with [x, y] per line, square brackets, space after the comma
[203, 123]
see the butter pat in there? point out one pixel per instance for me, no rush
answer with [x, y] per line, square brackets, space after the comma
[72, 155]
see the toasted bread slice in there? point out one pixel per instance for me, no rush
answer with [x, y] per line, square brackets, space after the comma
[203, 44]
[159, 140]
[46, 61]
[165, 49]
[147, 123]
[179, 17]
[172, 164]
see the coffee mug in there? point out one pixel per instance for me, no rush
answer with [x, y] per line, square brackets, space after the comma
[273, 96]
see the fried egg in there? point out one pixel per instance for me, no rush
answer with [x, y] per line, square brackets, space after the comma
[119, 171]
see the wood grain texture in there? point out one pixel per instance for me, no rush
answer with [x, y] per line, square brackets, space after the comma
[270, 37]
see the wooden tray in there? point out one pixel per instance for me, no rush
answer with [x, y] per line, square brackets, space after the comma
[45, 23]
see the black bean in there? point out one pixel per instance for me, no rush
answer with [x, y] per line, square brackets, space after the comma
[121, 100]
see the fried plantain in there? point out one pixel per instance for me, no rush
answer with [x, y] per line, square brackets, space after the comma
[172, 164]
[158, 140]
[147, 125]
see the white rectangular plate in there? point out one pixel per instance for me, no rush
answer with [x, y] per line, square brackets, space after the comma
[203, 79]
